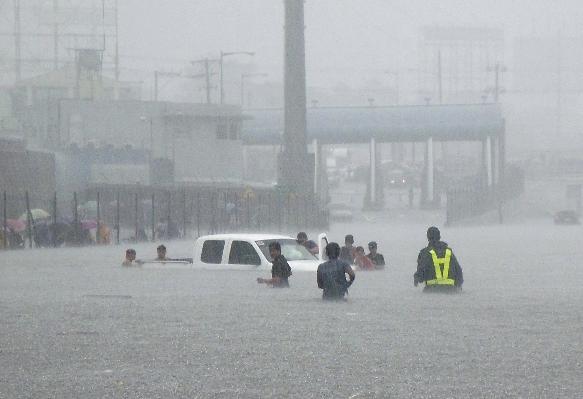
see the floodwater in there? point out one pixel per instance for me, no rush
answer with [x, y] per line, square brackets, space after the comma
[75, 324]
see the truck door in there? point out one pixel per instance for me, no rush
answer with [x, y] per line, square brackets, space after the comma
[212, 252]
[243, 255]
[322, 242]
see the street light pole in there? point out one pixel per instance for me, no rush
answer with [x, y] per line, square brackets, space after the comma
[221, 75]
[150, 120]
[395, 75]
[245, 76]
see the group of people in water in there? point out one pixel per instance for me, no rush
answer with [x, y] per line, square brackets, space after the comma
[353, 255]
[437, 266]
[130, 259]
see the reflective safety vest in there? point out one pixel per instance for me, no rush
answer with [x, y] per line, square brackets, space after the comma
[441, 275]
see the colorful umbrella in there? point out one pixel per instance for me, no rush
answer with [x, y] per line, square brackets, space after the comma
[88, 224]
[16, 225]
[36, 214]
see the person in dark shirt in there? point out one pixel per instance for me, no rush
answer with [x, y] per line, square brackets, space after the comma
[377, 259]
[347, 251]
[437, 266]
[280, 269]
[331, 275]
[302, 239]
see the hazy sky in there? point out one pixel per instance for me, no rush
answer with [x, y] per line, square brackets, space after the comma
[347, 37]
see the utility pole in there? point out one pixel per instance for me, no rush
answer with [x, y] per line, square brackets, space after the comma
[497, 83]
[559, 86]
[116, 60]
[207, 75]
[498, 70]
[17, 42]
[439, 77]
[56, 34]
[293, 164]
[221, 83]
[156, 86]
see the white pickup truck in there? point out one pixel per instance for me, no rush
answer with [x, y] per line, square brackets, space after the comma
[245, 252]
[251, 252]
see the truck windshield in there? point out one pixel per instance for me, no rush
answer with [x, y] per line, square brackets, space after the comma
[289, 248]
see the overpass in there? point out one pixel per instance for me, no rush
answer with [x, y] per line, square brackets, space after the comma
[428, 124]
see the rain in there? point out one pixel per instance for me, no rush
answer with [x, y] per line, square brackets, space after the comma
[158, 160]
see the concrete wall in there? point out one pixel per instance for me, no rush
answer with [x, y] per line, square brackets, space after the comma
[30, 171]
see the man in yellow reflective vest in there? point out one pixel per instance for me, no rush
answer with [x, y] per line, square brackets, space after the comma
[437, 266]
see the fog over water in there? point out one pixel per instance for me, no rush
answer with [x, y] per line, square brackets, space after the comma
[81, 325]
[130, 124]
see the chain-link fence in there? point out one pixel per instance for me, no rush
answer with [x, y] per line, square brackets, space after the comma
[113, 215]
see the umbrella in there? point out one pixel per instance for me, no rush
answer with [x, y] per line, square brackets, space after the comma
[16, 225]
[88, 224]
[36, 214]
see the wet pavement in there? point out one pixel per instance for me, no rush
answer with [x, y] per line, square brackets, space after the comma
[76, 324]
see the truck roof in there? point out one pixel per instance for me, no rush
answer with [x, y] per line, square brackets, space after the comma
[245, 236]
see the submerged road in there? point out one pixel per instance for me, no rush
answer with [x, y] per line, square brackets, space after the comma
[74, 324]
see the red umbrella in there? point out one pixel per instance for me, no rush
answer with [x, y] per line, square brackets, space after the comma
[16, 225]
[89, 224]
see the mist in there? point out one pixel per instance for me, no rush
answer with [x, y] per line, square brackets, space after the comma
[175, 176]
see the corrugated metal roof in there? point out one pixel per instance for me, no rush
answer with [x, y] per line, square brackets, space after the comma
[386, 124]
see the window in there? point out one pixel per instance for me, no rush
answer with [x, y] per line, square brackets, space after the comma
[289, 248]
[221, 131]
[243, 253]
[212, 251]
[234, 131]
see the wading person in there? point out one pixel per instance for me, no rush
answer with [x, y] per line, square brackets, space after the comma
[331, 275]
[377, 259]
[302, 239]
[130, 258]
[347, 252]
[437, 266]
[161, 250]
[280, 269]
[362, 261]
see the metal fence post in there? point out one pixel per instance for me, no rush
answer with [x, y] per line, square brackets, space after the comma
[117, 221]
[76, 217]
[213, 222]
[29, 219]
[259, 212]
[198, 214]
[279, 214]
[98, 233]
[153, 217]
[225, 211]
[169, 214]
[248, 199]
[183, 213]
[306, 216]
[5, 222]
[237, 214]
[54, 235]
[136, 222]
